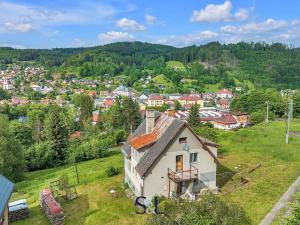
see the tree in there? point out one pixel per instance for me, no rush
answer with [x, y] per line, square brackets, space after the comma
[22, 132]
[194, 118]
[36, 117]
[57, 133]
[177, 105]
[4, 95]
[86, 108]
[131, 114]
[11, 152]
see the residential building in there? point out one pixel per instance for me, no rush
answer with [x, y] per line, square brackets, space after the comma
[242, 118]
[6, 190]
[7, 84]
[165, 157]
[155, 100]
[223, 104]
[190, 100]
[125, 91]
[224, 93]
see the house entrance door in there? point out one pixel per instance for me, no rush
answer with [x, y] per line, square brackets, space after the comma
[179, 162]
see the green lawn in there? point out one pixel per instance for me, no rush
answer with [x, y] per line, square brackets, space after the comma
[241, 151]
[176, 65]
[94, 206]
[162, 79]
[212, 87]
[280, 166]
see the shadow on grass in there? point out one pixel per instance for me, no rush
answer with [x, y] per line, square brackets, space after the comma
[76, 210]
[224, 175]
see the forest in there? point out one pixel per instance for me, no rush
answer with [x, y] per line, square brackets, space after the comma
[265, 65]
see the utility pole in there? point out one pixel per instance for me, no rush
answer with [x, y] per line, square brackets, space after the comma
[289, 115]
[267, 117]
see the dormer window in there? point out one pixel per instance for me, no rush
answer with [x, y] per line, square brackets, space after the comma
[182, 140]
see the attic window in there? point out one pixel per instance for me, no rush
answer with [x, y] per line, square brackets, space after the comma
[182, 140]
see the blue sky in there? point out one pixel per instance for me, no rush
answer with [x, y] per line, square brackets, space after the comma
[58, 23]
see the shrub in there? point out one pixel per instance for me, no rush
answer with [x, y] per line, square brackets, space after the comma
[39, 156]
[111, 171]
[210, 210]
[120, 136]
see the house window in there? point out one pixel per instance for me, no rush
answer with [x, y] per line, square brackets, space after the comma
[182, 140]
[193, 157]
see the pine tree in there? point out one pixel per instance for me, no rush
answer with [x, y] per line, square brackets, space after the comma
[117, 113]
[131, 114]
[56, 132]
[86, 108]
[194, 118]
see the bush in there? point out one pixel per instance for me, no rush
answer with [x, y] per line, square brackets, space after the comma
[209, 210]
[111, 171]
[39, 156]
[120, 136]
[92, 148]
[260, 116]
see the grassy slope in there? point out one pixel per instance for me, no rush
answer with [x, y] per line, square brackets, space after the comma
[162, 79]
[280, 166]
[94, 205]
[212, 87]
[247, 147]
[176, 64]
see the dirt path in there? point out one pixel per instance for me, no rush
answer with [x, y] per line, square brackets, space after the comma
[283, 201]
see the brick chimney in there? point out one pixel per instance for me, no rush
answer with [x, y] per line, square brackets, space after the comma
[171, 112]
[150, 120]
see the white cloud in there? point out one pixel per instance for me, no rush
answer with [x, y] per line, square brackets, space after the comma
[189, 39]
[18, 27]
[150, 19]
[114, 36]
[269, 30]
[242, 14]
[38, 16]
[213, 13]
[130, 25]
[265, 26]
[219, 13]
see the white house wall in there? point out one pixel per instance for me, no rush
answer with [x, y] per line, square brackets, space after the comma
[156, 181]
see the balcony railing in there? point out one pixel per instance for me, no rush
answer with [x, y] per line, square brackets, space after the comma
[183, 175]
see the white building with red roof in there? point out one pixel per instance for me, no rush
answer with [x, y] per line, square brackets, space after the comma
[224, 93]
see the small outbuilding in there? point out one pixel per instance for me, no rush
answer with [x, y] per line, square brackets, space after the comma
[6, 190]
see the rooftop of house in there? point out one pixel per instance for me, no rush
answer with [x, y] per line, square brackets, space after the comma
[6, 190]
[156, 97]
[224, 91]
[165, 130]
[190, 98]
[223, 102]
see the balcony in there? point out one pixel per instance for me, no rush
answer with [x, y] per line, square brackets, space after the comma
[184, 175]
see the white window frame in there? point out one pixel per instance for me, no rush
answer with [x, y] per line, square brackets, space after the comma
[194, 159]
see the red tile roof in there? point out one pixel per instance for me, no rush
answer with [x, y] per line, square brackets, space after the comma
[109, 102]
[156, 97]
[190, 98]
[224, 91]
[223, 102]
[144, 140]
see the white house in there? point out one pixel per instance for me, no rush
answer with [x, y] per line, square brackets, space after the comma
[224, 93]
[7, 84]
[36, 87]
[165, 157]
